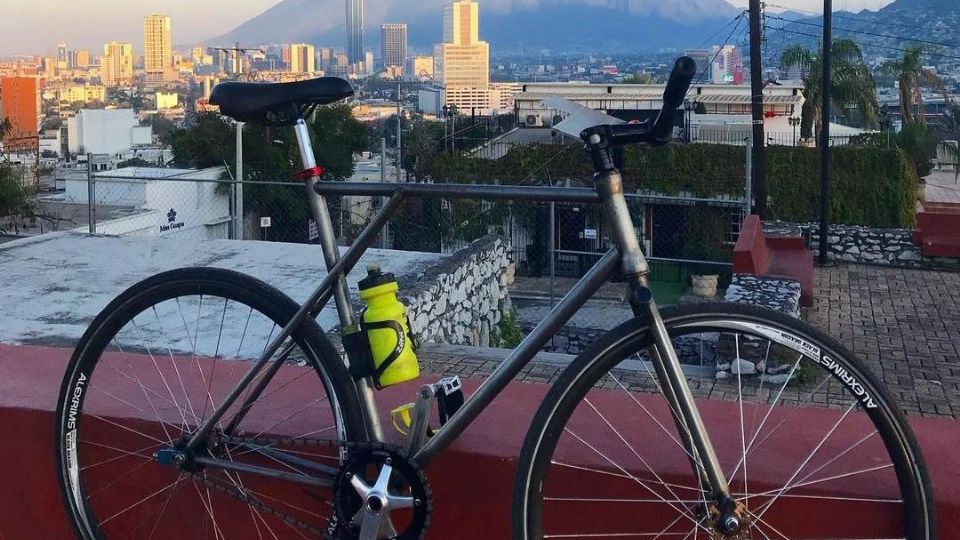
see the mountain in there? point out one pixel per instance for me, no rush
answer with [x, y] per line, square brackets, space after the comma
[506, 24]
[881, 32]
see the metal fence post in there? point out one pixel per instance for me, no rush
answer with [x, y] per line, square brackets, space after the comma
[553, 242]
[383, 178]
[238, 187]
[91, 197]
[748, 204]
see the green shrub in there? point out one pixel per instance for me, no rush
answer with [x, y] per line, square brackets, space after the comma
[870, 186]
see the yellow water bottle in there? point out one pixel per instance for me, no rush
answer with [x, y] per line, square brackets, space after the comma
[385, 321]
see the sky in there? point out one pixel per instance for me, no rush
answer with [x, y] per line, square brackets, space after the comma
[36, 26]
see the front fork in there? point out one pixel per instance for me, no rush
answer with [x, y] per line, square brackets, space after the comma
[634, 269]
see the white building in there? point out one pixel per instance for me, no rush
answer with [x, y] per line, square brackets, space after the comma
[105, 131]
[715, 113]
[162, 202]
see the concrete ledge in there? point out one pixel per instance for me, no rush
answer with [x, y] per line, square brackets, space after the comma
[483, 460]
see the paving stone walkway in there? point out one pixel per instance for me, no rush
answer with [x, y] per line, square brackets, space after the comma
[905, 324]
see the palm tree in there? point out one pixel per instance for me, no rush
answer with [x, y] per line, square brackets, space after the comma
[911, 76]
[851, 83]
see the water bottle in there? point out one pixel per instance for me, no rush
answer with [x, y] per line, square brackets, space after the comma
[384, 319]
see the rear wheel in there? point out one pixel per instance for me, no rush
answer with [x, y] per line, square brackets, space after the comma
[152, 367]
[811, 445]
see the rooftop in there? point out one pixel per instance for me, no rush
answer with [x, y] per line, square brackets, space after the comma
[54, 285]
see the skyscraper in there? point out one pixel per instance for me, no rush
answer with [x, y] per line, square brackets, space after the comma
[62, 60]
[303, 58]
[393, 44]
[462, 61]
[354, 31]
[157, 48]
[116, 66]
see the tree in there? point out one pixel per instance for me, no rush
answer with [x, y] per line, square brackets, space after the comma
[163, 128]
[640, 77]
[851, 83]
[336, 136]
[272, 154]
[911, 76]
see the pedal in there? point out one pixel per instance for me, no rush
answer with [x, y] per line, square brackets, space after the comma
[402, 418]
[449, 392]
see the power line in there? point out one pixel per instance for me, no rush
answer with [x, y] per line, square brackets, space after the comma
[721, 29]
[738, 20]
[854, 19]
[864, 44]
[865, 33]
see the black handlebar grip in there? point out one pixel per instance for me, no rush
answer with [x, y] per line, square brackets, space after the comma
[680, 78]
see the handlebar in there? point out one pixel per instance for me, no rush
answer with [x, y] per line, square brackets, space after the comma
[680, 78]
[658, 132]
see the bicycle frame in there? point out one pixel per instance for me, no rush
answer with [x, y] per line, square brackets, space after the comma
[626, 261]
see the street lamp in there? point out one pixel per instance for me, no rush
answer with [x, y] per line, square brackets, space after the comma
[687, 110]
[794, 121]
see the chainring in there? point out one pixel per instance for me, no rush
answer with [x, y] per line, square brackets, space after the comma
[366, 460]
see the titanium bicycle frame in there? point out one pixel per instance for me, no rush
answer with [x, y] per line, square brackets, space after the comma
[625, 261]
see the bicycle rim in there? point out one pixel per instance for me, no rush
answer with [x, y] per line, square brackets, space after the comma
[152, 368]
[811, 445]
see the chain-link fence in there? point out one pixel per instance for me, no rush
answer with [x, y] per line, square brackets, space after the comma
[681, 235]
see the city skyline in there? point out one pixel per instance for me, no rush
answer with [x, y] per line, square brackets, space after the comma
[37, 27]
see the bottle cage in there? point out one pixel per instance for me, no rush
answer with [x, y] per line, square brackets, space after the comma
[357, 345]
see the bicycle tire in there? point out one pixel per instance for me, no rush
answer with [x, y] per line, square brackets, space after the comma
[588, 368]
[316, 350]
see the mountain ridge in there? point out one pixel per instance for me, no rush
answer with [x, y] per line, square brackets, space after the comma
[507, 25]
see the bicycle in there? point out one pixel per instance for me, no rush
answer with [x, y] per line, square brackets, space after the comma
[241, 419]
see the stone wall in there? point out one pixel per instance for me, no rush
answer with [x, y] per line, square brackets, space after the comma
[779, 294]
[864, 245]
[460, 299]
[754, 359]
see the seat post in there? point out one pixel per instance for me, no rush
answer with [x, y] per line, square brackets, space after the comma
[328, 243]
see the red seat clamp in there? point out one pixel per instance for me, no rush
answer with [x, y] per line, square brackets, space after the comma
[308, 173]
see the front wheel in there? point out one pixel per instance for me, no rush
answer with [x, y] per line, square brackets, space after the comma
[811, 444]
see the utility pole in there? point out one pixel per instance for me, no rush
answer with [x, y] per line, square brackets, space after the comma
[399, 122]
[756, 91]
[825, 130]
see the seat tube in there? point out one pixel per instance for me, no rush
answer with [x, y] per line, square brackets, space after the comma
[341, 295]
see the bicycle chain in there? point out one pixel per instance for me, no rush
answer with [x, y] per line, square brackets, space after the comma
[233, 490]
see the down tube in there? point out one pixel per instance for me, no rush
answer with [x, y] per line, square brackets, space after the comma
[521, 356]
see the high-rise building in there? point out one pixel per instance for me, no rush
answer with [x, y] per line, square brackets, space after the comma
[157, 48]
[325, 58]
[81, 59]
[462, 61]
[727, 67]
[393, 44]
[354, 9]
[303, 58]
[367, 64]
[62, 61]
[116, 65]
[20, 104]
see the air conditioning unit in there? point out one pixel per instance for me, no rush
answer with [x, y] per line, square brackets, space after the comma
[534, 120]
